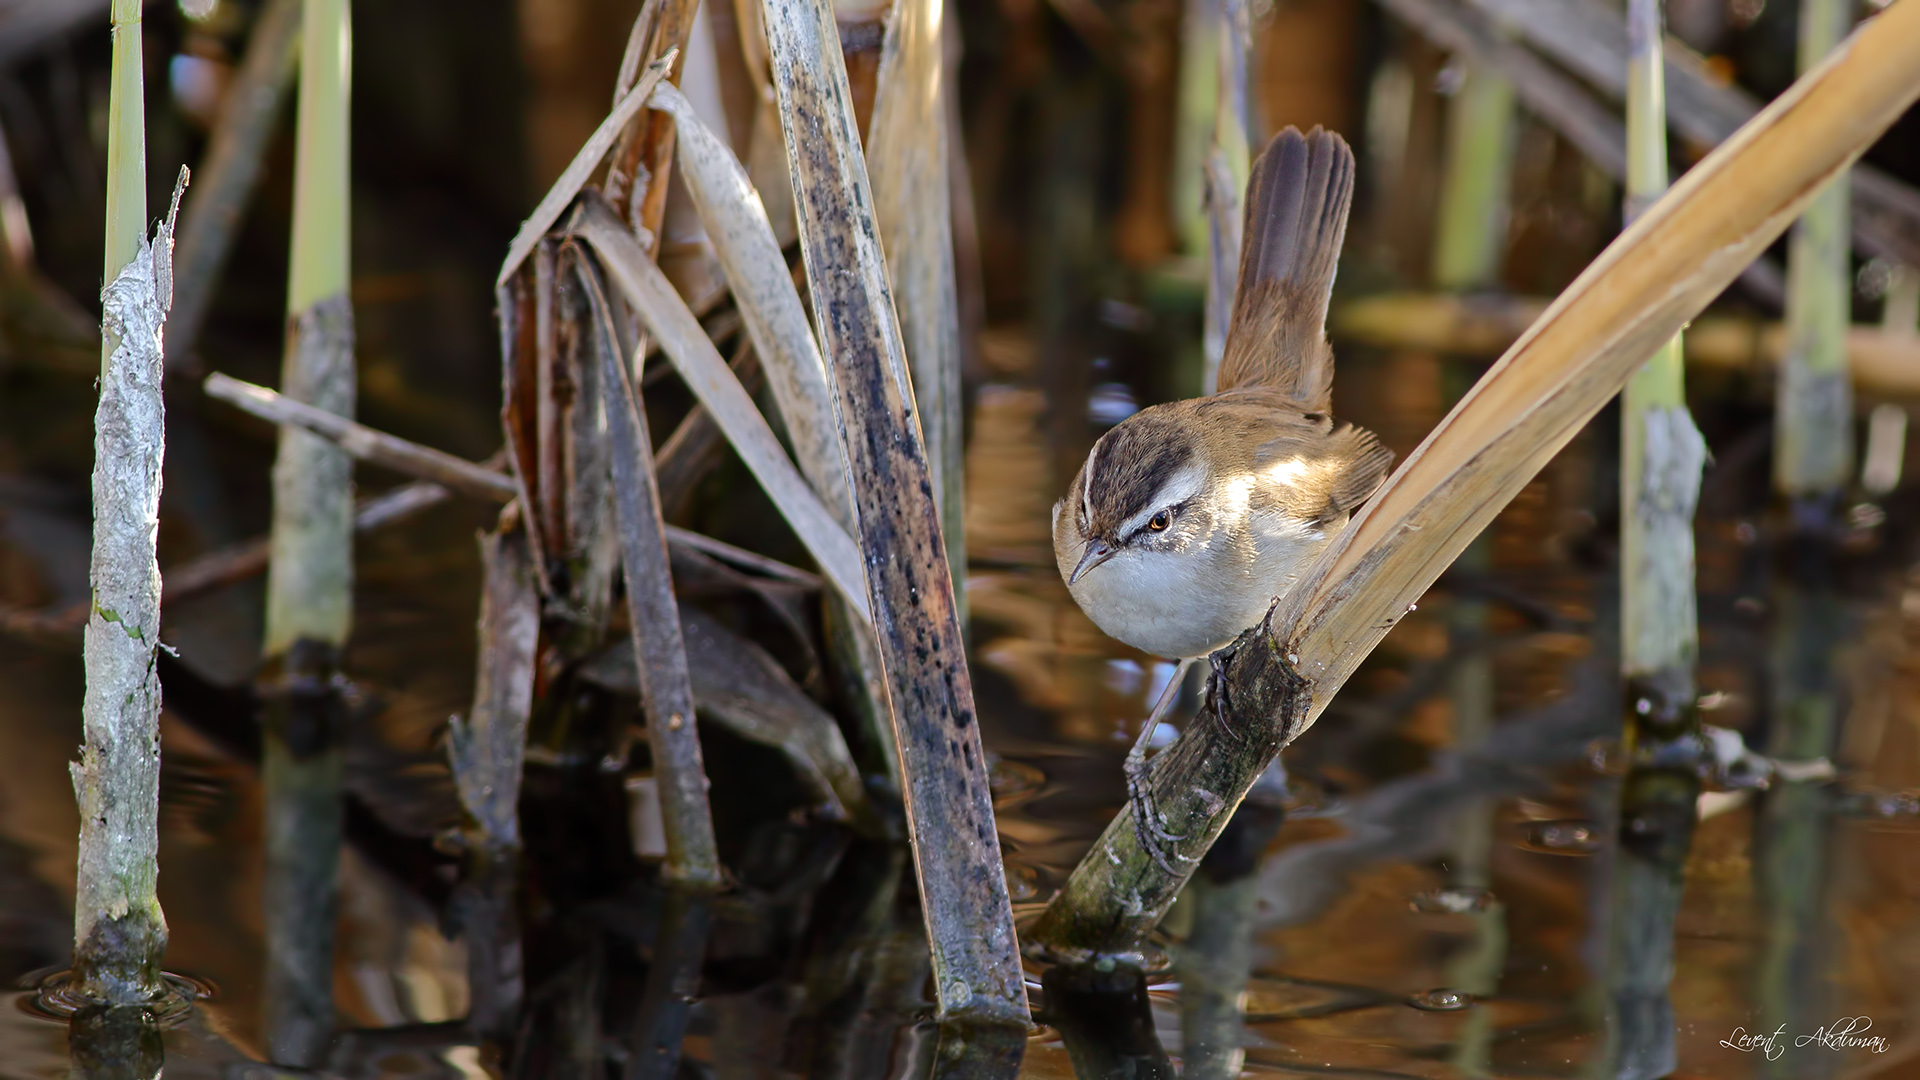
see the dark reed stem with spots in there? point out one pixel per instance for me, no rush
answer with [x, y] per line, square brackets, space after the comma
[963, 887]
[1269, 685]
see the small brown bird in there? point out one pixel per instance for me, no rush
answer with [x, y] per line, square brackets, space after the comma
[1190, 518]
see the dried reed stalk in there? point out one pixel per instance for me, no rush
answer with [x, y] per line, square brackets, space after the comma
[666, 316]
[636, 180]
[907, 162]
[1676, 258]
[963, 890]
[769, 304]
[481, 480]
[666, 690]
[360, 441]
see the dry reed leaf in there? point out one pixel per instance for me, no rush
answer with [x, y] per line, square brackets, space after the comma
[708, 376]
[769, 304]
[560, 196]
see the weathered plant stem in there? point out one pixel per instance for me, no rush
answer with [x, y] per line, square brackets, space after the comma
[1813, 404]
[360, 441]
[591, 153]
[310, 573]
[907, 162]
[666, 691]
[1636, 295]
[232, 170]
[666, 316]
[963, 888]
[776, 321]
[119, 933]
[487, 751]
[1661, 457]
[475, 479]
[636, 180]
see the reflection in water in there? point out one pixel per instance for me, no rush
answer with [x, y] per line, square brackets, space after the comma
[1357, 932]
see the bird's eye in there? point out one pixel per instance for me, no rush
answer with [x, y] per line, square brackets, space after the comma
[1160, 521]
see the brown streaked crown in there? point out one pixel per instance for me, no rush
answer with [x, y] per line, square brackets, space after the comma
[1131, 463]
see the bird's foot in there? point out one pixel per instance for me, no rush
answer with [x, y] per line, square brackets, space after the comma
[1155, 837]
[1217, 690]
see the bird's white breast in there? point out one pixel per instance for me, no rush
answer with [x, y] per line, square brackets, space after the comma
[1188, 603]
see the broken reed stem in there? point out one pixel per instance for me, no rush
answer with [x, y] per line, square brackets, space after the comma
[487, 750]
[231, 170]
[1813, 403]
[481, 480]
[575, 175]
[666, 690]
[360, 441]
[119, 933]
[637, 178]
[907, 155]
[963, 890]
[767, 300]
[1635, 296]
[310, 572]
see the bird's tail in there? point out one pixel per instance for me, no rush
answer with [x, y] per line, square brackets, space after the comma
[1298, 195]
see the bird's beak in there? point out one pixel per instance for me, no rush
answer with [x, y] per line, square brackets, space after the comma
[1097, 552]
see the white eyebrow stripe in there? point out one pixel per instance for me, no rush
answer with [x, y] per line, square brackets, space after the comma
[1179, 487]
[1086, 488]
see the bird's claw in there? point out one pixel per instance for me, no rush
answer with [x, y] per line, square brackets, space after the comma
[1155, 838]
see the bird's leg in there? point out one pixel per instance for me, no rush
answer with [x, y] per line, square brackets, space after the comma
[1147, 820]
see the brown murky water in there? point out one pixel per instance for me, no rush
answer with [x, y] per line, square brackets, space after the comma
[1436, 904]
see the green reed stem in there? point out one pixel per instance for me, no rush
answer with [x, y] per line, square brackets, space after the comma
[310, 576]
